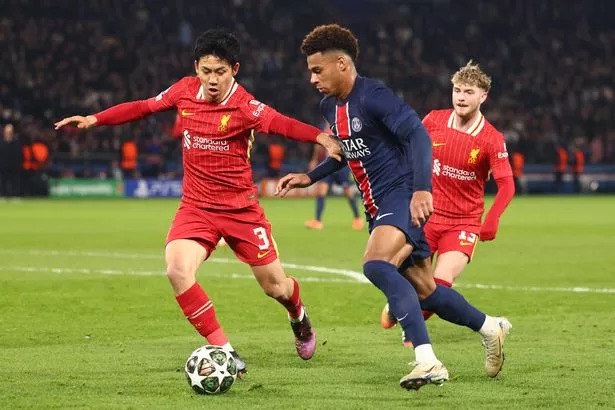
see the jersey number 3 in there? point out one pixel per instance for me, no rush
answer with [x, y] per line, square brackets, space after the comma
[261, 234]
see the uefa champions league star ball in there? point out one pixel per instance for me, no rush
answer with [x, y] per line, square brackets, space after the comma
[211, 370]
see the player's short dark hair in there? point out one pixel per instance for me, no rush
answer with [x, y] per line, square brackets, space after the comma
[330, 37]
[218, 42]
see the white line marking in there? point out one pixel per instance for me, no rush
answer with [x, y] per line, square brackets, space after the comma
[31, 269]
[356, 276]
[353, 276]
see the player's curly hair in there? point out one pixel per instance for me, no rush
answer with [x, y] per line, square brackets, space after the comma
[472, 75]
[330, 37]
[218, 42]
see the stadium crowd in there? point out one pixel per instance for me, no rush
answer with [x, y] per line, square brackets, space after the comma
[551, 63]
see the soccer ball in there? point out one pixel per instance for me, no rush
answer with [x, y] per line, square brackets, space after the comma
[211, 370]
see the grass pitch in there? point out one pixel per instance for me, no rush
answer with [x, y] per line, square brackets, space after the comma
[88, 319]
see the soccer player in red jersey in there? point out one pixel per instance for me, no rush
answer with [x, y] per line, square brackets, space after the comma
[218, 118]
[466, 150]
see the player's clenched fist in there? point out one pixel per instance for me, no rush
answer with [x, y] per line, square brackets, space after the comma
[290, 181]
[78, 121]
[332, 145]
[421, 207]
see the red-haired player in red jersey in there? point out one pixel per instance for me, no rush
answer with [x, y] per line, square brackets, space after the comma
[466, 151]
[218, 118]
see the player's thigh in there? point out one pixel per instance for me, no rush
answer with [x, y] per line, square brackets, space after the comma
[197, 225]
[248, 234]
[450, 265]
[386, 242]
[393, 218]
[184, 256]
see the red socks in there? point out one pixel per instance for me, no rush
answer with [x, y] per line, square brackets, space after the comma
[443, 282]
[427, 314]
[294, 304]
[200, 312]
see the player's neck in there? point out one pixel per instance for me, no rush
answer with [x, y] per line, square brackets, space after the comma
[465, 123]
[347, 86]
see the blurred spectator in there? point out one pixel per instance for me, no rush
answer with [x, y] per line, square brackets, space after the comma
[551, 62]
[578, 163]
[11, 159]
[560, 166]
[276, 157]
[129, 153]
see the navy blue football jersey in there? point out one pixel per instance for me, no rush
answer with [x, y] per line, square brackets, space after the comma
[376, 129]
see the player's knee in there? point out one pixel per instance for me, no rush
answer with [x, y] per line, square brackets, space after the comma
[177, 272]
[275, 290]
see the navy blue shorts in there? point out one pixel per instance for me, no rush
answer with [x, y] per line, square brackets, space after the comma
[394, 209]
[341, 178]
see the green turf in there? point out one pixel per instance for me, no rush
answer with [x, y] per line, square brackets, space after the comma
[88, 320]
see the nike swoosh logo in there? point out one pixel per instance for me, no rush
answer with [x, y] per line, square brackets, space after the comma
[261, 254]
[379, 217]
[402, 318]
[186, 113]
[439, 144]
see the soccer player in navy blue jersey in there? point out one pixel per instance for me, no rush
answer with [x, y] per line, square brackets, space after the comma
[389, 152]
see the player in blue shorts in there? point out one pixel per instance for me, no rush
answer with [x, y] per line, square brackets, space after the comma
[341, 178]
[389, 153]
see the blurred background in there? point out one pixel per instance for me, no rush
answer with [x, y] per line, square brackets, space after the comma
[551, 62]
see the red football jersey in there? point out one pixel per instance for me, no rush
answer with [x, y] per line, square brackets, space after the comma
[462, 162]
[216, 142]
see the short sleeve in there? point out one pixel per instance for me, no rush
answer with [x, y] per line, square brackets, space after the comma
[168, 98]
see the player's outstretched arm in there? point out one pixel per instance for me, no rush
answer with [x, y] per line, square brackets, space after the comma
[78, 121]
[291, 181]
[115, 115]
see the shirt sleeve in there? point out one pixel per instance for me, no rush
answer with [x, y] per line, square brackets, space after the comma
[265, 119]
[498, 158]
[135, 110]
[168, 98]
[385, 107]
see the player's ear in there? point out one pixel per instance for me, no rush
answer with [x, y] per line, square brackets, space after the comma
[196, 67]
[483, 97]
[342, 62]
[235, 69]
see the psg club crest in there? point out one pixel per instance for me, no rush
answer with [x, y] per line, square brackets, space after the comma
[356, 124]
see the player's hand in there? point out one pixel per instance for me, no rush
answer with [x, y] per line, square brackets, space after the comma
[78, 121]
[332, 145]
[291, 181]
[421, 207]
[489, 229]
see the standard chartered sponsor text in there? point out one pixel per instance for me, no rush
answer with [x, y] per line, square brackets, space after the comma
[210, 144]
[456, 173]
